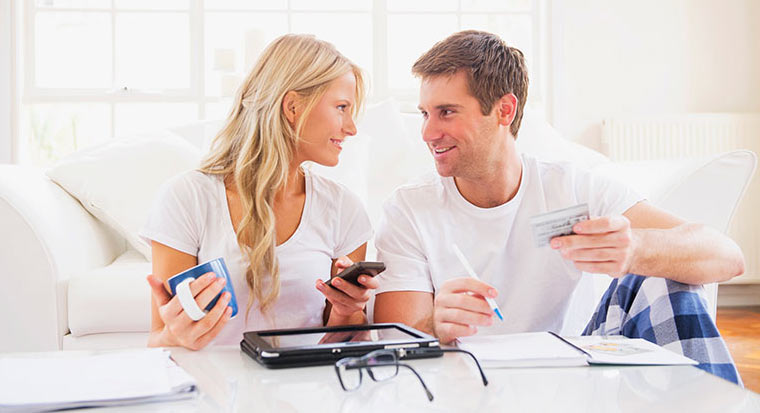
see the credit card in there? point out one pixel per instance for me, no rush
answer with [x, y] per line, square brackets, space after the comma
[557, 223]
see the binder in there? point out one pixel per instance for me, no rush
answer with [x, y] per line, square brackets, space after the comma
[547, 349]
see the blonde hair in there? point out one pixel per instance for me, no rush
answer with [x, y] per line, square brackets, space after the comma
[257, 144]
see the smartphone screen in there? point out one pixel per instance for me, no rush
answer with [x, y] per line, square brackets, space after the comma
[352, 273]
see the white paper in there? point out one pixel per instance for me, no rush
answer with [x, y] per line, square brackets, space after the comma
[522, 350]
[546, 350]
[63, 378]
[628, 351]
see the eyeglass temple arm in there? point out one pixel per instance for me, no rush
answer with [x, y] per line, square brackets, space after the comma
[477, 363]
[422, 382]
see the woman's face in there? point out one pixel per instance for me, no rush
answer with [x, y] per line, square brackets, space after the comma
[329, 123]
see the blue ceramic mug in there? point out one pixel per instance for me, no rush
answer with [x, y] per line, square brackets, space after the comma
[218, 267]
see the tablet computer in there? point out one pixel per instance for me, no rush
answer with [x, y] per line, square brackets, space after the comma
[300, 347]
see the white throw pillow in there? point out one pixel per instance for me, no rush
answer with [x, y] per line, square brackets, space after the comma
[351, 170]
[538, 138]
[200, 133]
[396, 153]
[116, 181]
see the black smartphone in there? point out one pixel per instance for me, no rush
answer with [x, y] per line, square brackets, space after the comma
[352, 273]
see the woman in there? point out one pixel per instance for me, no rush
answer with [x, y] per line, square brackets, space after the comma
[277, 225]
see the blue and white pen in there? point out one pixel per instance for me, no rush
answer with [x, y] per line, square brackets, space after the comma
[463, 260]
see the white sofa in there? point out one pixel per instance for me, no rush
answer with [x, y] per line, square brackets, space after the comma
[73, 281]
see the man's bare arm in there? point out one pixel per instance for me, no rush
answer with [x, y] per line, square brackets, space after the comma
[413, 308]
[648, 241]
[686, 252]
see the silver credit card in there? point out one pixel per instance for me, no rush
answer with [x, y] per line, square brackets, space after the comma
[557, 223]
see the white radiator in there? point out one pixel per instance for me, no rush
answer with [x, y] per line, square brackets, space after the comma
[690, 136]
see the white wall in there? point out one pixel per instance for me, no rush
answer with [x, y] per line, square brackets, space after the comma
[651, 56]
[6, 63]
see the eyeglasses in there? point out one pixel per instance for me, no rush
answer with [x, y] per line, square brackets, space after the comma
[383, 365]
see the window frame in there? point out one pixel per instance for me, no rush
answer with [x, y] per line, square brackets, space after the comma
[8, 79]
[196, 92]
[119, 94]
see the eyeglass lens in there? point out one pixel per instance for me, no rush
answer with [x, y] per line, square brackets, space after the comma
[381, 365]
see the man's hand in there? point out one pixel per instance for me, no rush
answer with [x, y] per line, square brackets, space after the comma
[601, 245]
[460, 307]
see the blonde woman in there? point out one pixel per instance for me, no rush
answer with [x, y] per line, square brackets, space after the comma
[281, 229]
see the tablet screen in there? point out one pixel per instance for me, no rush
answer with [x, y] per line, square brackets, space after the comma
[390, 333]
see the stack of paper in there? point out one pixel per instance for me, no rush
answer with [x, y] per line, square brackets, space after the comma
[65, 380]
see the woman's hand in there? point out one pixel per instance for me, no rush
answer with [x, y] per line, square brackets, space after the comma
[348, 300]
[179, 329]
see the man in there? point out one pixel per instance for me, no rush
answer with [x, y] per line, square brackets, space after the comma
[472, 96]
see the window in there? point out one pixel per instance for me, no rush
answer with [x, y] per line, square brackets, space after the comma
[95, 69]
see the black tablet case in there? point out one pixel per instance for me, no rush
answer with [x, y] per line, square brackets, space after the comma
[426, 346]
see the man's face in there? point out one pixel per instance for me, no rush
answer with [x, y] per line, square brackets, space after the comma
[461, 139]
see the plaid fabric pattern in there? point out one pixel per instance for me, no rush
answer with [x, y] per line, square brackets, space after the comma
[668, 313]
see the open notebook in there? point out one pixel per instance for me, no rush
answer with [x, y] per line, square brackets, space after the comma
[66, 380]
[546, 349]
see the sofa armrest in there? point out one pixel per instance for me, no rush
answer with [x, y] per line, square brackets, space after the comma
[47, 236]
[705, 190]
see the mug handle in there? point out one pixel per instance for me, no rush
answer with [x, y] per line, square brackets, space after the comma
[187, 300]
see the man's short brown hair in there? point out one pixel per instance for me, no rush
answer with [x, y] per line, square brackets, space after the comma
[493, 68]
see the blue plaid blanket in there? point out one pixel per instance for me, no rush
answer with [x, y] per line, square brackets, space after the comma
[667, 313]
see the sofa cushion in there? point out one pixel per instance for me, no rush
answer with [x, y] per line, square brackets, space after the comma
[105, 341]
[351, 170]
[397, 154]
[114, 298]
[538, 138]
[116, 181]
[199, 133]
[705, 190]
[382, 156]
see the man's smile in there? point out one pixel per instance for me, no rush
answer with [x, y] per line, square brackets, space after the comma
[441, 150]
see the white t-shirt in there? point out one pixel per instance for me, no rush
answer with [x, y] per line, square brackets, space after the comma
[421, 221]
[191, 215]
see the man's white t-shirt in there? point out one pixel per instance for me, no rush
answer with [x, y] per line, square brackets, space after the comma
[191, 215]
[422, 220]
